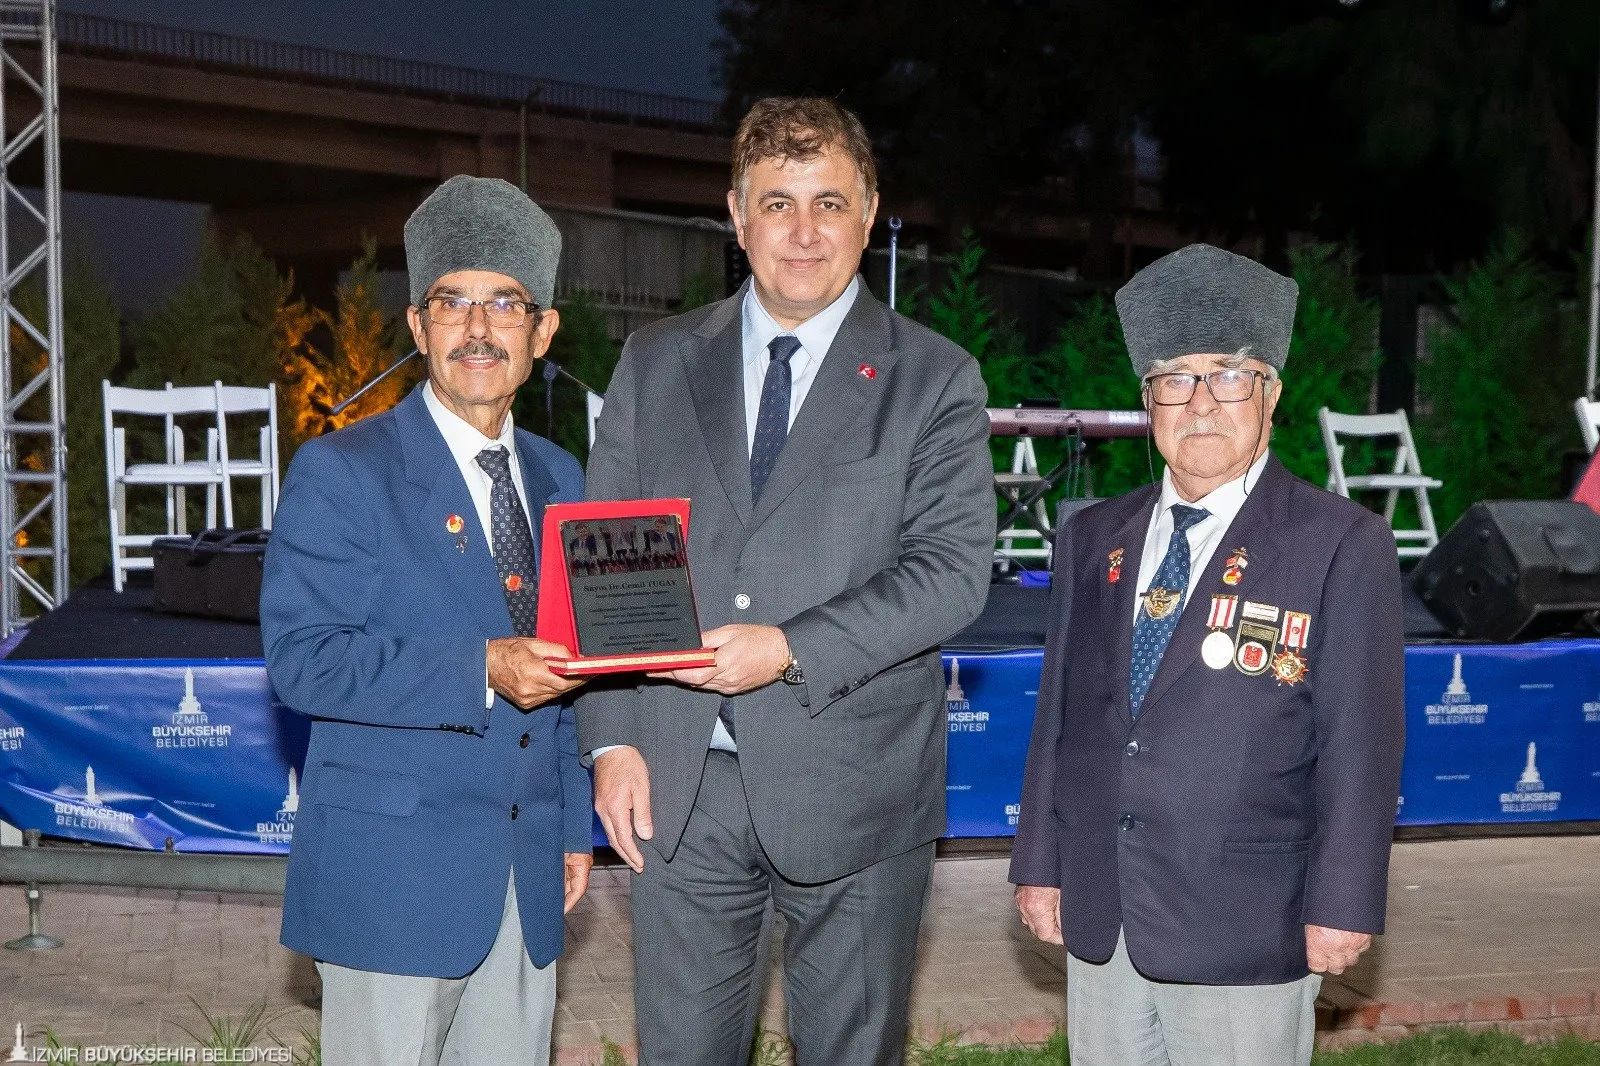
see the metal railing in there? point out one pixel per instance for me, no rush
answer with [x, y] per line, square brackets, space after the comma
[94, 34]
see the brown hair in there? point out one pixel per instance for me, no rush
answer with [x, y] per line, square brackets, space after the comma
[792, 127]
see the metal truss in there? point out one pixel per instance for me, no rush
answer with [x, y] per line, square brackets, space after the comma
[33, 447]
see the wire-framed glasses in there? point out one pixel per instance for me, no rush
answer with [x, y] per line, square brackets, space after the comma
[1231, 385]
[507, 312]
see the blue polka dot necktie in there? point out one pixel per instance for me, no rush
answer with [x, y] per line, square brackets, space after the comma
[1161, 605]
[513, 542]
[772, 424]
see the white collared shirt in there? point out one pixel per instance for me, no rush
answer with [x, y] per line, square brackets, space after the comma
[816, 336]
[465, 442]
[1204, 536]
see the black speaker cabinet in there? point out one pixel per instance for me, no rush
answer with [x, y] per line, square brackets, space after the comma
[1514, 570]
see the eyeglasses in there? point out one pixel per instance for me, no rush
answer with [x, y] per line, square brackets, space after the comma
[1226, 386]
[507, 312]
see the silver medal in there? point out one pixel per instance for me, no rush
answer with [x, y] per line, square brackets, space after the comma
[1217, 650]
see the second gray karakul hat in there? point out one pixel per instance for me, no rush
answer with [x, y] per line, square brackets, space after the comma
[473, 223]
[1201, 299]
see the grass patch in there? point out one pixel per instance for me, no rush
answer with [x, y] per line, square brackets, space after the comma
[1457, 1047]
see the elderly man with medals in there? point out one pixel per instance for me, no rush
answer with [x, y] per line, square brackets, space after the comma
[1212, 778]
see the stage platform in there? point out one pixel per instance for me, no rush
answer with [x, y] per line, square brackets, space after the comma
[122, 726]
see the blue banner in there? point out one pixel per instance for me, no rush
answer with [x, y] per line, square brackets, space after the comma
[192, 756]
[198, 756]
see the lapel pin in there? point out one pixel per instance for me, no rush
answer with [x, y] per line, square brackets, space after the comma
[1114, 567]
[513, 582]
[461, 543]
[453, 524]
[1234, 567]
[867, 370]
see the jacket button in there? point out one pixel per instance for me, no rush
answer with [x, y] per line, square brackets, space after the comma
[514, 809]
[1132, 748]
[742, 602]
[523, 742]
[1126, 822]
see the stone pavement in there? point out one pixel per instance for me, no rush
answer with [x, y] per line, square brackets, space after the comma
[1503, 932]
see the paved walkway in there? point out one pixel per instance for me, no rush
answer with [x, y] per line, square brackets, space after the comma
[1500, 932]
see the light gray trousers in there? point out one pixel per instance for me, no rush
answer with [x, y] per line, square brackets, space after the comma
[1118, 1017]
[501, 1012]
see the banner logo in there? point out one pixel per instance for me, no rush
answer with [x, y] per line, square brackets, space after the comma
[959, 715]
[1455, 706]
[1530, 796]
[11, 737]
[281, 829]
[191, 727]
[89, 812]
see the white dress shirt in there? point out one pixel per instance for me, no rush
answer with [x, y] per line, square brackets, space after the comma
[816, 337]
[1204, 536]
[465, 442]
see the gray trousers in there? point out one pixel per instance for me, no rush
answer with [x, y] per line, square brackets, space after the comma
[699, 938]
[1118, 1017]
[501, 1012]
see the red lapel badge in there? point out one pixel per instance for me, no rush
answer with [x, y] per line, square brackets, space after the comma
[867, 370]
[1235, 566]
[453, 524]
[1114, 566]
[513, 582]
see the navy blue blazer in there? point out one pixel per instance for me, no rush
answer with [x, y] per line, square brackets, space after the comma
[1246, 801]
[417, 801]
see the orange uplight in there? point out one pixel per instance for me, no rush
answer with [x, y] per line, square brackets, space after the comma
[22, 538]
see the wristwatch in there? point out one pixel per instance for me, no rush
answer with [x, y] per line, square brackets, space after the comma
[792, 674]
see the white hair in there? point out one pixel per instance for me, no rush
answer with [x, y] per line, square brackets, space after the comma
[1231, 362]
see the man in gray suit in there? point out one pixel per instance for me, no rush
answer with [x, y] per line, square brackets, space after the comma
[843, 523]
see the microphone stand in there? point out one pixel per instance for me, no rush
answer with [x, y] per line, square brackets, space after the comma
[362, 391]
[894, 258]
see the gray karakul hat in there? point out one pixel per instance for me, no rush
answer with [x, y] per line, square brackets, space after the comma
[473, 223]
[1202, 299]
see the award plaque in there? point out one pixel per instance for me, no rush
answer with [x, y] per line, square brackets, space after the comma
[614, 587]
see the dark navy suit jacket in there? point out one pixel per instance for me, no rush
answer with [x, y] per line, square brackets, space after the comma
[374, 625]
[1237, 808]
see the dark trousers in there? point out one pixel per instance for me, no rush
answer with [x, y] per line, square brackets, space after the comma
[698, 940]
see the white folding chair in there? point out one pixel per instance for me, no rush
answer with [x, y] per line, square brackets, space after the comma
[1406, 476]
[1037, 538]
[240, 399]
[1588, 421]
[173, 474]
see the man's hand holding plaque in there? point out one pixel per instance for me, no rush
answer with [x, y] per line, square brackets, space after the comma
[614, 587]
[748, 657]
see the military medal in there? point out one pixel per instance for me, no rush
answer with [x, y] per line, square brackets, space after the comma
[1216, 651]
[1289, 666]
[1160, 602]
[1234, 567]
[453, 524]
[1114, 566]
[1258, 638]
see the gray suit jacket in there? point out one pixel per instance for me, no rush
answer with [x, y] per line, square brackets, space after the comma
[871, 544]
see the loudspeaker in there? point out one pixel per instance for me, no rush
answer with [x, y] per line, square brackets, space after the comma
[1514, 570]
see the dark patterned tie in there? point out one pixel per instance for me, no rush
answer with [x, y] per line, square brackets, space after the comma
[1150, 632]
[513, 542]
[772, 424]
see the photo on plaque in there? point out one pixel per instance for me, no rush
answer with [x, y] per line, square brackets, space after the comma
[614, 587]
[630, 585]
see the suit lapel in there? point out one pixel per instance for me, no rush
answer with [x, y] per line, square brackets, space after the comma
[538, 487]
[1251, 530]
[834, 401]
[441, 493]
[1118, 598]
[714, 357]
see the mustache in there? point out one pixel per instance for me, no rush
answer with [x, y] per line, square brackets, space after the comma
[477, 350]
[1218, 426]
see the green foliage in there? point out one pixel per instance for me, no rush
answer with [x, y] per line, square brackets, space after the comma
[1491, 429]
[699, 290]
[947, 1052]
[1457, 1047]
[963, 312]
[227, 1033]
[1333, 356]
[584, 348]
[93, 348]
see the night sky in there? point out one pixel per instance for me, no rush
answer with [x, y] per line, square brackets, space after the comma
[143, 248]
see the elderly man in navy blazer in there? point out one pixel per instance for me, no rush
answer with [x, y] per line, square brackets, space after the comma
[1212, 779]
[444, 824]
